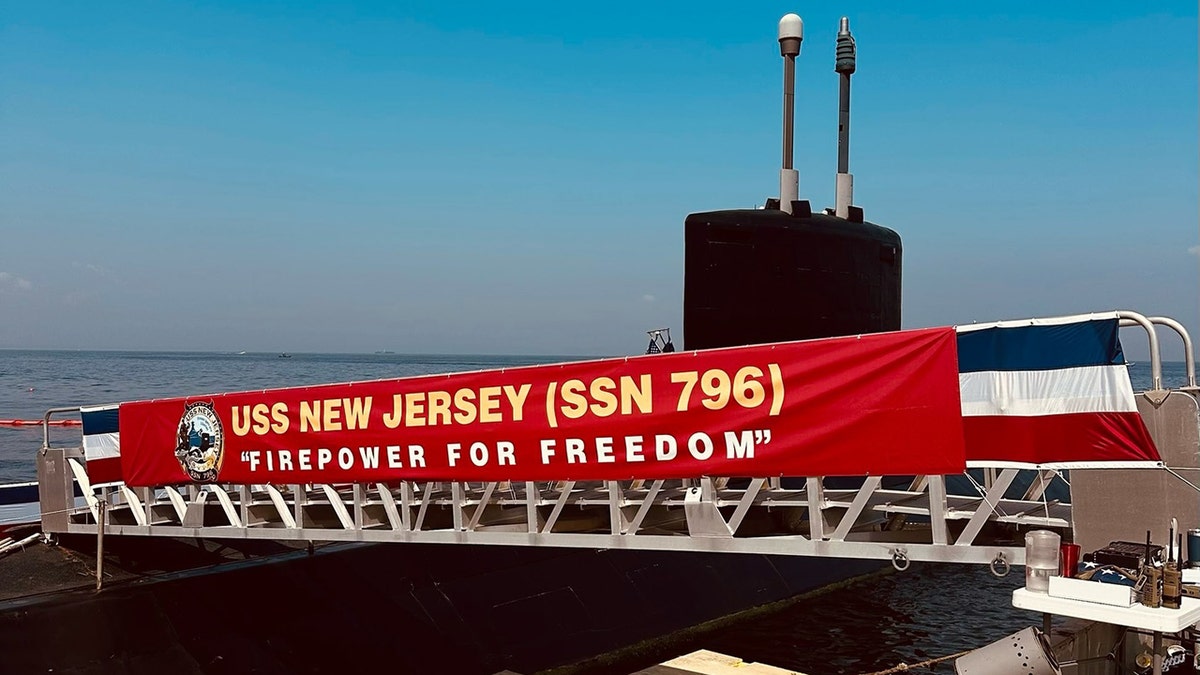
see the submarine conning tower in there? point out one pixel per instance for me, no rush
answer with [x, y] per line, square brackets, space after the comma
[782, 272]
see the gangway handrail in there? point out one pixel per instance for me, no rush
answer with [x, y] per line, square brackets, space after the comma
[1189, 358]
[1155, 356]
[46, 424]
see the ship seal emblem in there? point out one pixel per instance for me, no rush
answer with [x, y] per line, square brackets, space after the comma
[199, 442]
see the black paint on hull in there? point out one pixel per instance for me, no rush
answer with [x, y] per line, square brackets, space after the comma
[407, 608]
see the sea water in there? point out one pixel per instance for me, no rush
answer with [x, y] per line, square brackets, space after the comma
[930, 610]
[32, 382]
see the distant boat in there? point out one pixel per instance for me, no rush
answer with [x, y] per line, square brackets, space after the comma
[285, 355]
[385, 351]
[242, 353]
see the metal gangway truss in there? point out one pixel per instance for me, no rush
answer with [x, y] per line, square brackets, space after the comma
[918, 520]
[978, 517]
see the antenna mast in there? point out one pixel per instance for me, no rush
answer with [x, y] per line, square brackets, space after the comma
[791, 34]
[844, 67]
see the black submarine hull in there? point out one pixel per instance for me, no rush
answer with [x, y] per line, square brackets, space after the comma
[410, 608]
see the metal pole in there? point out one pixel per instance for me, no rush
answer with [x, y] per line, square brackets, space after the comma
[844, 65]
[844, 123]
[791, 34]
[1158, 659]
[1155, 355]
[789, 108]
[1189, 356]
[46, 425]
[101, 517]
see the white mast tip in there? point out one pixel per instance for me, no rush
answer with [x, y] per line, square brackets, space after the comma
[791, 26]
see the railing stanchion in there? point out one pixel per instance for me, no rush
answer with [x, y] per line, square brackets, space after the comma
[103, 512]
[1155, 355]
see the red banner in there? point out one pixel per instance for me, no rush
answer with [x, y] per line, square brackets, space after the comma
[875, 404]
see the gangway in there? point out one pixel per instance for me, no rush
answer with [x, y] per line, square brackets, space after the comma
[978, 517]
[754, 515]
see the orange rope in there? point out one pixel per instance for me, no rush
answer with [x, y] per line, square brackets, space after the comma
[38, 423]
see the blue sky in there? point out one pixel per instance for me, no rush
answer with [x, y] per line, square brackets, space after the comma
[513, 178]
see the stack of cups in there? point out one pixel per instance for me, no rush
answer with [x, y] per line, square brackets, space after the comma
[1041, 559]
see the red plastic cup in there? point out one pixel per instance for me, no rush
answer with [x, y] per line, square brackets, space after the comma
[1069, 554]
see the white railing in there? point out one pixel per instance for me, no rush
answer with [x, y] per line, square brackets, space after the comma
[918, 520]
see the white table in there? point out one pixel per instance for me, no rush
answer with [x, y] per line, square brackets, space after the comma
[1156, 620]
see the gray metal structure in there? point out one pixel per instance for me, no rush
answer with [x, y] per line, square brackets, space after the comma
[706, 514]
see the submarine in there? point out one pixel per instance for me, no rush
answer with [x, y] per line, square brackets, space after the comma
[785, 272]
[782, 272]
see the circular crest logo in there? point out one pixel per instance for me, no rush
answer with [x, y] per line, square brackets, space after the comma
[199, 442]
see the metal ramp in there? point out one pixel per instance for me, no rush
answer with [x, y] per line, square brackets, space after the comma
[917, 520]
[979, 519]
